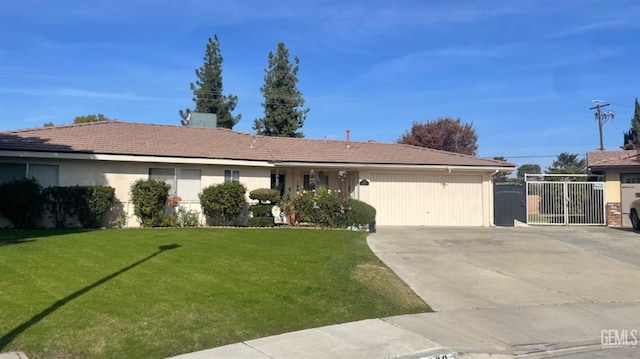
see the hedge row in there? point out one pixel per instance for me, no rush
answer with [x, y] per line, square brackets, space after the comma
[25, 202]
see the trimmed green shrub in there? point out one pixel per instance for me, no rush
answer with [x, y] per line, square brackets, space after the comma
[22, 203]
[96, 202]
[359, 213]
[223, 202]
[261, 210]
[61, 203]
[322, 207]
[265, 194]
[88, 203]
[149, 199]
[260, 221]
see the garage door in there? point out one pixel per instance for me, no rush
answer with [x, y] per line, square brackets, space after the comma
[629, 186]
[426, 200]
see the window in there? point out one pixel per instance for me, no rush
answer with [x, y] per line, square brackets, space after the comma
[632, 179]
[189, 185]
[185, 183]
[318, 180]
[165, 174]
[46, 175]
[10, 171]
[231, 176]
[277, 182]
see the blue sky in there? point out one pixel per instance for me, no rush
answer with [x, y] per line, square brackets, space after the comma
[523, 72]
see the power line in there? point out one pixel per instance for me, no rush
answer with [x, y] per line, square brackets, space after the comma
[600, 116]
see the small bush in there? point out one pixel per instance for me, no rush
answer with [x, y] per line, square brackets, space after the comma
[260, 222]
[261, 210]
[265, 194]
[223, 202]
[95, 203]
[88, 203]
[322, 207]
[122, 219]
[188, 218]
[170, 220]
[360, 213]
[22, 203]
[61, 203]
[149, 198]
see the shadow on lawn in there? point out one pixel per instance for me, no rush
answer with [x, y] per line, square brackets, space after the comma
[19, 236]
[11, 242]
[9, 337]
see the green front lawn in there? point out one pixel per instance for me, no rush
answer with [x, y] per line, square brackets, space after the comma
[153, 293]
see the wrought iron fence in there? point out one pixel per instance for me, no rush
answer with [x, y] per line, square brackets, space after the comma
[565, 199]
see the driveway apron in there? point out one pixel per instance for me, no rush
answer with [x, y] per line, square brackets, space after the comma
[517, 290]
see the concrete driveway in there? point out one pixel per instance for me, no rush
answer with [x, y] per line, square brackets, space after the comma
[498, 293]
[518, 290]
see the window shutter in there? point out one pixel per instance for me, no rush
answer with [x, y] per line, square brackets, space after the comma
[189, 184]
[46, 175]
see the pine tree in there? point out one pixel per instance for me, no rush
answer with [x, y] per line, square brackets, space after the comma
[207, 90]
[283, 103]
[568, 163]
[631, 138]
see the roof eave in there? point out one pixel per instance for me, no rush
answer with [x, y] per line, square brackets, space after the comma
[343, 165]
[134, 158]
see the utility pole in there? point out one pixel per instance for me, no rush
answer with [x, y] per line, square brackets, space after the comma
[600, 116]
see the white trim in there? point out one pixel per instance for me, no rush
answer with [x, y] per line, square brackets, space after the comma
[392, 166]
[243, 163]
[131, 158]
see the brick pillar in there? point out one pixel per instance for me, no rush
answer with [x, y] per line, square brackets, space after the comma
[614, 214]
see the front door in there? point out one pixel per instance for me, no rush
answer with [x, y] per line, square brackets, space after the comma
[277, 182]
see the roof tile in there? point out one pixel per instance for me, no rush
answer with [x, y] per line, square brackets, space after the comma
[623, 158]
[127, 138]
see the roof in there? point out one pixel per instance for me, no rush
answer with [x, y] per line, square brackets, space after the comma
[139, 139]
[610, 159]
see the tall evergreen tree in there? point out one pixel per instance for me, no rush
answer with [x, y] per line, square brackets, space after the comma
[631, 137]
[568, 163]
[284, 111]
[527, 168]
[501, 176]
[207, 90]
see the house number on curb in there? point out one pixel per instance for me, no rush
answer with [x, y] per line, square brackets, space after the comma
[441, 356]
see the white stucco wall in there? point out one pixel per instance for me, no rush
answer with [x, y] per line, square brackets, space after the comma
[121, 175]
[612, 183]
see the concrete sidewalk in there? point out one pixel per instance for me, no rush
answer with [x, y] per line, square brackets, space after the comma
[13, 355]
[484, 333]
[498, 293]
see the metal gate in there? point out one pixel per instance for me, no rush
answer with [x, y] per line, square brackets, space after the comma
[565, 199]
[509, 203]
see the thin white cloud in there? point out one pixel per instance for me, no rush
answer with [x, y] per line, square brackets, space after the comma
[415, 61]
[588, 28]
[80, 93]
[57, 45]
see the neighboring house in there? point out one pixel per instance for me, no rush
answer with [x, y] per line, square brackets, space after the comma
[622, 176]
[407, 185]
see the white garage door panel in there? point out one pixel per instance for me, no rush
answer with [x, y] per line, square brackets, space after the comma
[427, 200]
